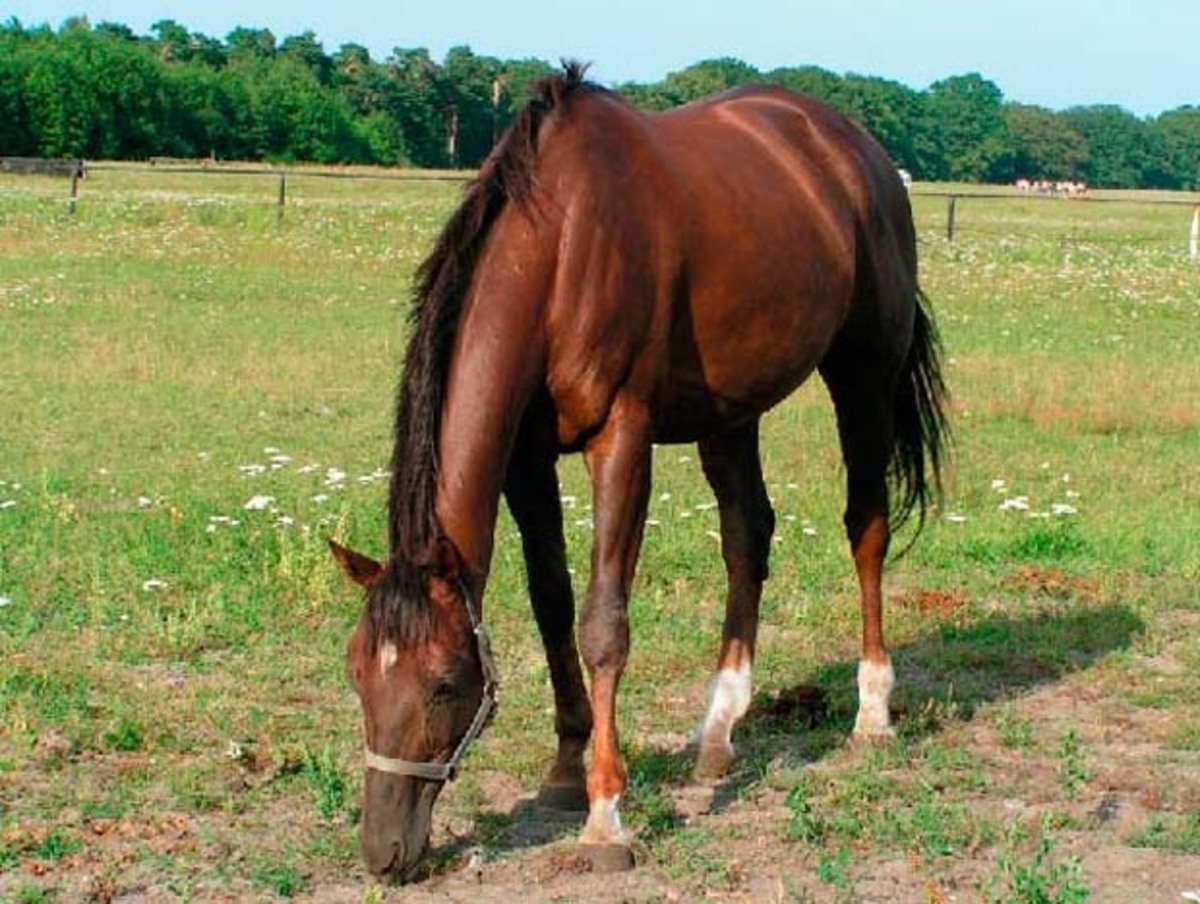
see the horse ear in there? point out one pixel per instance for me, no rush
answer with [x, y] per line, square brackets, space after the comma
[447, 560]
[362, 570]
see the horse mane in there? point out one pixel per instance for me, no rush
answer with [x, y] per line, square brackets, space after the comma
[399, 607]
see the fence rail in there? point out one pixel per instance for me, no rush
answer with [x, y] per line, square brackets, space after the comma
[954, 197]
[77, 169]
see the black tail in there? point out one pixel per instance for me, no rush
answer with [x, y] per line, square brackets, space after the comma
[922, 428]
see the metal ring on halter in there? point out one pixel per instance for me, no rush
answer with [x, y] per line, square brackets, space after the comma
[444, 772]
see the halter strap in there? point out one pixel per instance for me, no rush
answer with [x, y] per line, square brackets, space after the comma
[444, 772]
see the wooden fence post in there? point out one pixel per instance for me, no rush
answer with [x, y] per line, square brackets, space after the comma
[76, 172]
[950, 218]
[282, 195]
[1194, 243]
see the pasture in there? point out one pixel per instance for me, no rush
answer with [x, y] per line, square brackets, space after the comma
[195, 393]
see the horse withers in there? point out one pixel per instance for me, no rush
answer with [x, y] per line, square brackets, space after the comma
[611, 280]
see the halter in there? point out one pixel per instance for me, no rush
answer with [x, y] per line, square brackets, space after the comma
[444, 772]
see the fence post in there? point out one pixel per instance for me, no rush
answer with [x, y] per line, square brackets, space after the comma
[950, 218]
[1194, 243]
[76, 171]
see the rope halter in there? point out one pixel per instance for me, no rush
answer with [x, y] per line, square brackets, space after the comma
[444, 772]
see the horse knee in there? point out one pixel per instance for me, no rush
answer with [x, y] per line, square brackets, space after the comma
[604, 636]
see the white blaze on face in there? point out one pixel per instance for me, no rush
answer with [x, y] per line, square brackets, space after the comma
[875, 682]
[728, 700]
[388, 654]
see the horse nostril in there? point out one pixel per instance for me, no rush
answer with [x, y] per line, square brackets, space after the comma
[382, 857]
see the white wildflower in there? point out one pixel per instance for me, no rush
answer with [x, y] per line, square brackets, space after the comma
[1062, 509]
[259, 503]
[154, 584]
[1015, 504]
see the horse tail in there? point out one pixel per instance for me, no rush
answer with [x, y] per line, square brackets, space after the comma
[922, 427]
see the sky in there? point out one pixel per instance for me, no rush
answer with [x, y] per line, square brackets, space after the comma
[1143, 56]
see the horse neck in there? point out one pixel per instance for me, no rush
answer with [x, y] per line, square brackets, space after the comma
[495, 369]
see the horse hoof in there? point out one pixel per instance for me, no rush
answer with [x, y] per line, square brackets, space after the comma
[565, 798]
[875, 737]
[712, 762]
[607, 858]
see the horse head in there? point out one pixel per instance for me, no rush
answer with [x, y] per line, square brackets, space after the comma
[419, 663]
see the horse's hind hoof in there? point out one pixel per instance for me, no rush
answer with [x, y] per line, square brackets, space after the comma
[712, 762]
[564, 798]
[607, 858]
[875, 737]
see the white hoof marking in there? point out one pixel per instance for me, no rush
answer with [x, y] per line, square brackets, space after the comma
[875, 683]
[728, 700]
[604, 823]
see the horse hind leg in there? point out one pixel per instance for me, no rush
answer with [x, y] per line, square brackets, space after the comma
[866, 427]
[732, 466]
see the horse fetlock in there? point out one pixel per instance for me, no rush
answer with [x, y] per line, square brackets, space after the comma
[604, 823]
[565, 797]
[875, 683]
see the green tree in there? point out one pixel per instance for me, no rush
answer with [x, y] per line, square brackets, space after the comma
[416, 102]
[1044, 145]
[252, 43]
[1119, 146]
[307, 50]
[16, 139]
[963, 135]
[1178, 134]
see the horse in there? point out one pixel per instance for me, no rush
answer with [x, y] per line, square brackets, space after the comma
[615, 279]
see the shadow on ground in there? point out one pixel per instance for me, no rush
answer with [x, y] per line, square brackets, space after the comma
[946, 676]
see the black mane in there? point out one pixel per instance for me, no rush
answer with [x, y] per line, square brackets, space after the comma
[398, 607]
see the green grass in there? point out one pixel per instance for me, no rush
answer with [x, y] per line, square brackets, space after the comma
[175, 350]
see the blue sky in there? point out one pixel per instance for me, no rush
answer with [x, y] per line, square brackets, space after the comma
[1143, 56]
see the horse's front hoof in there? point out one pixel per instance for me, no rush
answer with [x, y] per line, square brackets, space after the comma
[564, 798]
[873, 737]
[712, 762]
[607, 858]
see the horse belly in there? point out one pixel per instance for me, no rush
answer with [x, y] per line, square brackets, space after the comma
[728, 366]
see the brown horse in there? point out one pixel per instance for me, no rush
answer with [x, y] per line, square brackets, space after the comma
[615, 279]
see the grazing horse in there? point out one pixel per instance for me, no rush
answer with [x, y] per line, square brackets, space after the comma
[615, 279]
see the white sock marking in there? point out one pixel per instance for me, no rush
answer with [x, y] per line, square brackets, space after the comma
[875, 683]
[604, 822]
[728, 700]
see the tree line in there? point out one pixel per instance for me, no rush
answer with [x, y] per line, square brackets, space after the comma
[104, 92]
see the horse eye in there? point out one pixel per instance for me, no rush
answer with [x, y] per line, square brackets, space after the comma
[443, 693]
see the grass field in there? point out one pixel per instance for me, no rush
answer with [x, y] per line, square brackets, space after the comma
[195, 392]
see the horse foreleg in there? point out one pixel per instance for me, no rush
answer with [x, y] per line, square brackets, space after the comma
[733, 468]
[619, 461]
[532, 493]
